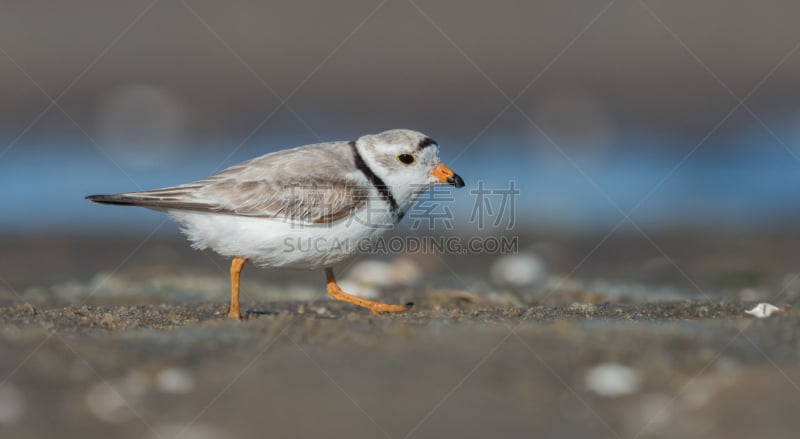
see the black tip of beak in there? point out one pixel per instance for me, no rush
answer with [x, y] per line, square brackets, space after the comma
[456, 181]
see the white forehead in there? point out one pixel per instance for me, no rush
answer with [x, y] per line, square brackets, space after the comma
[401, 137]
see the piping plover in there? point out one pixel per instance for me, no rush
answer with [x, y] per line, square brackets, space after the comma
[309, 207]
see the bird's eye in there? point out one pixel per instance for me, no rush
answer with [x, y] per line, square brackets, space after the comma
[406, 158]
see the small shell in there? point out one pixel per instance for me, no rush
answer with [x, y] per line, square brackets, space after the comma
[174, 380]
[401, 271]
[763, 310]
[518, 270]
[613, 380]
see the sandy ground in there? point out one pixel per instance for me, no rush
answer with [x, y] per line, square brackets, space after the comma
[124, 358]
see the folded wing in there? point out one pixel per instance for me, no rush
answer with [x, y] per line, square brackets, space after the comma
[311, 184]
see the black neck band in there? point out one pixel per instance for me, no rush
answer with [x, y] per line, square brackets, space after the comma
[376, 181]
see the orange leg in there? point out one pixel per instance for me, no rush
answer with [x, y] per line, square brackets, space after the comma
[376, 307]
[236, 268]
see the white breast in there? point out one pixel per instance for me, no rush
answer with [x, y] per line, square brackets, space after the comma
[281, 243]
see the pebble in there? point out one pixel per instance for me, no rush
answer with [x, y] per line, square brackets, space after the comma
[612, 380]
[520, 270]
[174, 380]
[29, 309]
[320, 310]
[583, 307]
[12, 405]
[401, 271]
[109, 320]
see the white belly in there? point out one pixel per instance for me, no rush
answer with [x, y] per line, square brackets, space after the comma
[277, 243]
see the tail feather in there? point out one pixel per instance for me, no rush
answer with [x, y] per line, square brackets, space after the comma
[120, 199]
[137, 199]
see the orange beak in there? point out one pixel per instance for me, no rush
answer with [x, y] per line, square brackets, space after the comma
[446, 175]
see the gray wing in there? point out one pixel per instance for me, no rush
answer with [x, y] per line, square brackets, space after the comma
[314, 184]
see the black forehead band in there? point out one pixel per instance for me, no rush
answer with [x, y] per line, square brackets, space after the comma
[426, 142]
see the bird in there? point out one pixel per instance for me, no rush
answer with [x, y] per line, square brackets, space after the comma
[310, 207]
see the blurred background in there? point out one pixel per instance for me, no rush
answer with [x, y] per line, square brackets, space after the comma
[663, 126]
[653, 145]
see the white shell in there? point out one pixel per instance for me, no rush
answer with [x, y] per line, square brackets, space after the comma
[519, 270]
[763, 310]
[612, 380]
[401, 271]
[174, 380]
